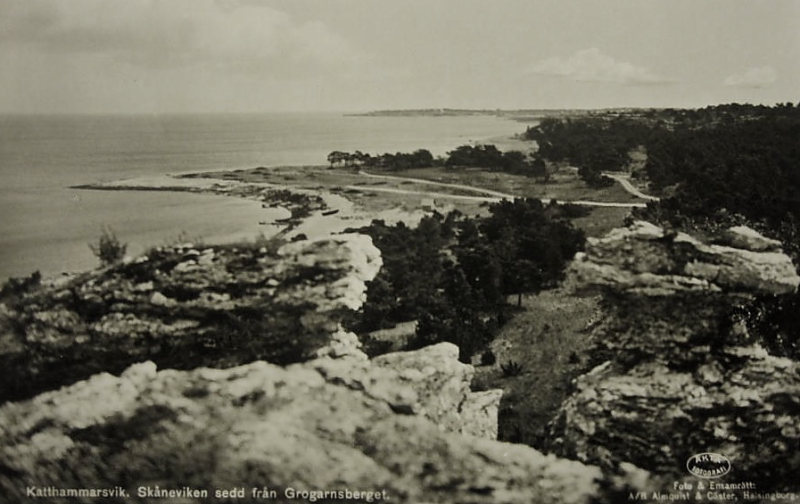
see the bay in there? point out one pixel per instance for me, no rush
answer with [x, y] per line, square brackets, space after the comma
[47, 226]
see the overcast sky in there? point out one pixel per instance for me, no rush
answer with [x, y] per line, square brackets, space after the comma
[143, 56]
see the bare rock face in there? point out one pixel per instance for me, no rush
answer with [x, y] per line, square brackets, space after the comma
[390, 426]
[683, 377]
[184, 307]
[430, 382]
[645, 260]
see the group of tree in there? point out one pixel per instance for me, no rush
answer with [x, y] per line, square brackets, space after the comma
[593, 144]
[420, 158]
[454, 275]
[601, 141]
[729, 165]
[486, 156]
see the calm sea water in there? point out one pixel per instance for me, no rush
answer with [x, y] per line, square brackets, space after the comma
[46, 226]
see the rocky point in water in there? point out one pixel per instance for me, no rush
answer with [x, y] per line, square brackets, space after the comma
[683, 376]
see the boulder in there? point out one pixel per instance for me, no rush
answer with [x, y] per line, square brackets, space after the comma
[430, 382]
[646, 260]
[743, 237]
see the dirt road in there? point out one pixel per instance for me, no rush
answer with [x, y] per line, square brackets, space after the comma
[493, 196]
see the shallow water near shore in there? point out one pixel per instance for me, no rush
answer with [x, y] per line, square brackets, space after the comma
[139, 218]
[46, 226]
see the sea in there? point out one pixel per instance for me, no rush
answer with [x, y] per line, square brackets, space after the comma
[46, 226]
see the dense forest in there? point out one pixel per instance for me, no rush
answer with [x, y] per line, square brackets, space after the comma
[713, 167]
[454, 274]
[592, 144]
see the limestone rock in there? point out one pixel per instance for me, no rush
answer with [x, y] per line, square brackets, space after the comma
[644, 259]
[481, 408]
[184, 308]
[430, 382]
[683, 376]
[743, 237]
[261, 425]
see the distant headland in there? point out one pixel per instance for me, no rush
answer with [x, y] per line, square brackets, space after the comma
[522, 115]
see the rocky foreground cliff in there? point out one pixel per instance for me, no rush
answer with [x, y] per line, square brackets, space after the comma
[198, 369]
[225, 369]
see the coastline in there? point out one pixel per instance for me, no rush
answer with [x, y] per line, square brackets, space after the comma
[141, 219]
[313, 213]
[314, 201]
[47, 224]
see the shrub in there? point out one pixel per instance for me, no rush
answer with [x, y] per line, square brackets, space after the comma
[511, 368]
[488, 358]
[15, 287]
[108, 248]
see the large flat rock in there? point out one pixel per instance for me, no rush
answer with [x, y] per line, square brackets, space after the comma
[310, 427]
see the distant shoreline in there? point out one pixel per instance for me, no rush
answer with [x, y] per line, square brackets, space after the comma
[515, 115]
[520, 115]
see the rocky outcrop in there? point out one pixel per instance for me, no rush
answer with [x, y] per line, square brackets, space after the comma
[184, 307]
[683, 376]
[389, 426]
[430, 382]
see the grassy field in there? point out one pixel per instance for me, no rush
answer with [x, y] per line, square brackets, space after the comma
[601, 220]
[548, 339]
[564, 185]
[372, 194]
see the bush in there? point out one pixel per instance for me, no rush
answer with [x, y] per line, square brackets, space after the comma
[15, 287]
[108, 248]
[488, 358]
[511, 368]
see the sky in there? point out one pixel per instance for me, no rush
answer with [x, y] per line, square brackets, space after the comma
[186, 56]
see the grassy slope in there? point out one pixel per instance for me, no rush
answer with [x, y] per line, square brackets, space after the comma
[542, 337]
[549, 338]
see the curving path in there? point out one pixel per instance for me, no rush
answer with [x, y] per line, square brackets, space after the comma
[626, 184]
[495, 195]
[441, 184]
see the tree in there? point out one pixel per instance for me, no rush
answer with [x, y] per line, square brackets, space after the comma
[539, 169]
[337, 157]
[108, 248]
[531, 247]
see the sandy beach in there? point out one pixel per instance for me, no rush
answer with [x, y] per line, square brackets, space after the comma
[336, 214]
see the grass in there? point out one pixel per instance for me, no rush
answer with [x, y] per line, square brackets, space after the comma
[563, 186]
[547, 339]
[601, 220]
